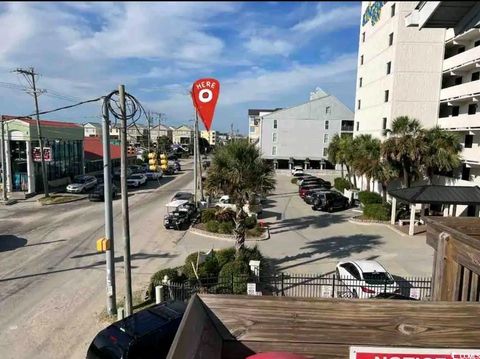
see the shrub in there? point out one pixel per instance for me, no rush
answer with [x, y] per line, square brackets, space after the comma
[225, 255]
[239, 272]
[208, 215]
[341, 184]
[172, 274]
[294, 180]
[212, 226]
[247, 254]
[366, 197]
[376, 211]
[251, 222]
[209, 268]
[256, 231]
[225, 215]
[225, 228]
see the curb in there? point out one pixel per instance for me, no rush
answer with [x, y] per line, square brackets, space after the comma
[378, 223]
[54, 204]
[229, 237]
[8, 202]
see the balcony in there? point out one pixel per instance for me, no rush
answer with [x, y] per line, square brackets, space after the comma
[462, 60]
[347, 126]
[471, 155]
[458, 92]
[461, 122]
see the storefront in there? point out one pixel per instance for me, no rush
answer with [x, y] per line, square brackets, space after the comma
[63, 146]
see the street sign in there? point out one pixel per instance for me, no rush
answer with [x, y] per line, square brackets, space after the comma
[251, 288]
[412, 353]
[205, 95]
[47, 154]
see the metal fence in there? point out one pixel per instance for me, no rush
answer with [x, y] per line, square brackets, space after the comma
[299, 285]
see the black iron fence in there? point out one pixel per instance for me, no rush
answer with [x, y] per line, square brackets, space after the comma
[300, 285]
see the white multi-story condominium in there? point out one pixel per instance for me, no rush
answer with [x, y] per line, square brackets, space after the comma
[460, 88]
[92, 129]
[211, 136]
[160, 131]
[254, 116]
[399, 69]
[300, 135]
[182, 135]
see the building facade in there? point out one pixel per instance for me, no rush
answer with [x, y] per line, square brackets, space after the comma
[254, 116]
[460, 88]
[63, 146]
[301, 134]
[211, 136]
[182, 135]
[399, 69]
[160, 131]
[92, 129]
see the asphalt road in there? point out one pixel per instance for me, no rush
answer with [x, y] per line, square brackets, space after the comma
[52, 280]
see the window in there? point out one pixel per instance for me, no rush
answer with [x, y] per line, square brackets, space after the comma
[472, 109]
[468, 141]
[327, 110]
[455, 110]
[325, 152]
[350, 268]
[360, 80]
[325, 138]
[390, 39]
[358, 126]
[252, 128]
[389, 67]
[384, 125]
[475, 76]
[274, 150]
[386, 95]
[363, 37]
[461, 49]
[359, 104]
[361, 60]
[274, 123]
[326, 124]
[392, 11]
[458, 80]
[476, 43]
[274, 137]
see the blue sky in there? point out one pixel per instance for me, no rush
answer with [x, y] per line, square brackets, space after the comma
[265, 54]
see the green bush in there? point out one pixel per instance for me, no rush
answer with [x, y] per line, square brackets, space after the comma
[212, 226]
[341, 184]
[376, 211]
[225, 255]
[366, 197]
[225, 215]
[225, 227]
[208, 215]
[247, 254]
[172, 274]
[256, 231]
[209, 268]
[239, 272]
[251, 222]
[294, 180]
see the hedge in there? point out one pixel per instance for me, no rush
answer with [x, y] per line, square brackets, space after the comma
[341, 184]
[366, 197]
[208, 215]
[251, 222]
[225, 227]
[212, 226]
[376, 211]
[237, 271]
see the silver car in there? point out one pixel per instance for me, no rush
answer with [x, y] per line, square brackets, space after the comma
[81, 184]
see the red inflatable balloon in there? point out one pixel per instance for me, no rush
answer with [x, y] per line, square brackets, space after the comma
[276, 355]
[205, 95]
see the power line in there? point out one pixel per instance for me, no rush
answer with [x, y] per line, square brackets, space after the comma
[66, 107]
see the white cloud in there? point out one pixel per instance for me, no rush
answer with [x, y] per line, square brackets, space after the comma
[330, 20]
[263, 46]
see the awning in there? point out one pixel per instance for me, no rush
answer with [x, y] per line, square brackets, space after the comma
[435, 194]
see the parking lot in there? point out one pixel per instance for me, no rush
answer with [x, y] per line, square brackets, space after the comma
[307, 241]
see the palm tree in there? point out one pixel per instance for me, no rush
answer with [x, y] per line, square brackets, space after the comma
[238, 170]
[367, 157]
[334, 151]
[405, 146]
[442, 152]
[384, 172]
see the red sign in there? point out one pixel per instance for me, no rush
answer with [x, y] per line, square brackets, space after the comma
[205, 95]
[47, 154]
[412, 353]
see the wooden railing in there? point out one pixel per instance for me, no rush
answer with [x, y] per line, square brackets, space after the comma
[456, 267]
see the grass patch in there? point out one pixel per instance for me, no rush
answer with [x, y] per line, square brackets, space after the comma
[57, 199]
[138, 303]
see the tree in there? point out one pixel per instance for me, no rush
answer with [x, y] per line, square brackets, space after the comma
[384, 172]
[341, 150]
[204, 145]
[334, 152]
[238, 170]
[405, 147]
[367, 156]
[164, 143]
[442, 152]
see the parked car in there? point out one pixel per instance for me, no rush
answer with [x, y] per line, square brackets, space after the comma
[180, 214]
[297, 172]
[136, 169]
[117, 172]
[306, 177]
[296, 168]
[153, 175]
[249, 208]
[147, 334]
[312, 180]
[302, 190]
[330, 201]
[136, 180]
[99, 192]
[188, 196]
[312, 194]
[177, 165]
[170, 170]
[99, 178]
[364, 279]
[81, 184]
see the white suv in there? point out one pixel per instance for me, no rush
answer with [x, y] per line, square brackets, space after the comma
[81, 184]
[136, 180]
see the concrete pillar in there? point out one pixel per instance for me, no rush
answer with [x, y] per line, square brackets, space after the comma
[477, 211]
[446, 209]
[30, 168]
[411, 227]
[394, 210]
[305, 165]
[8, 164]
[454, 210]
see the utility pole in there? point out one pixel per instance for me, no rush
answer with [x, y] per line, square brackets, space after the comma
[124, 190]
[199, 161]
[30, 72]
[107, 194]
[4, 163]
[195, 158]
[149, 119]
